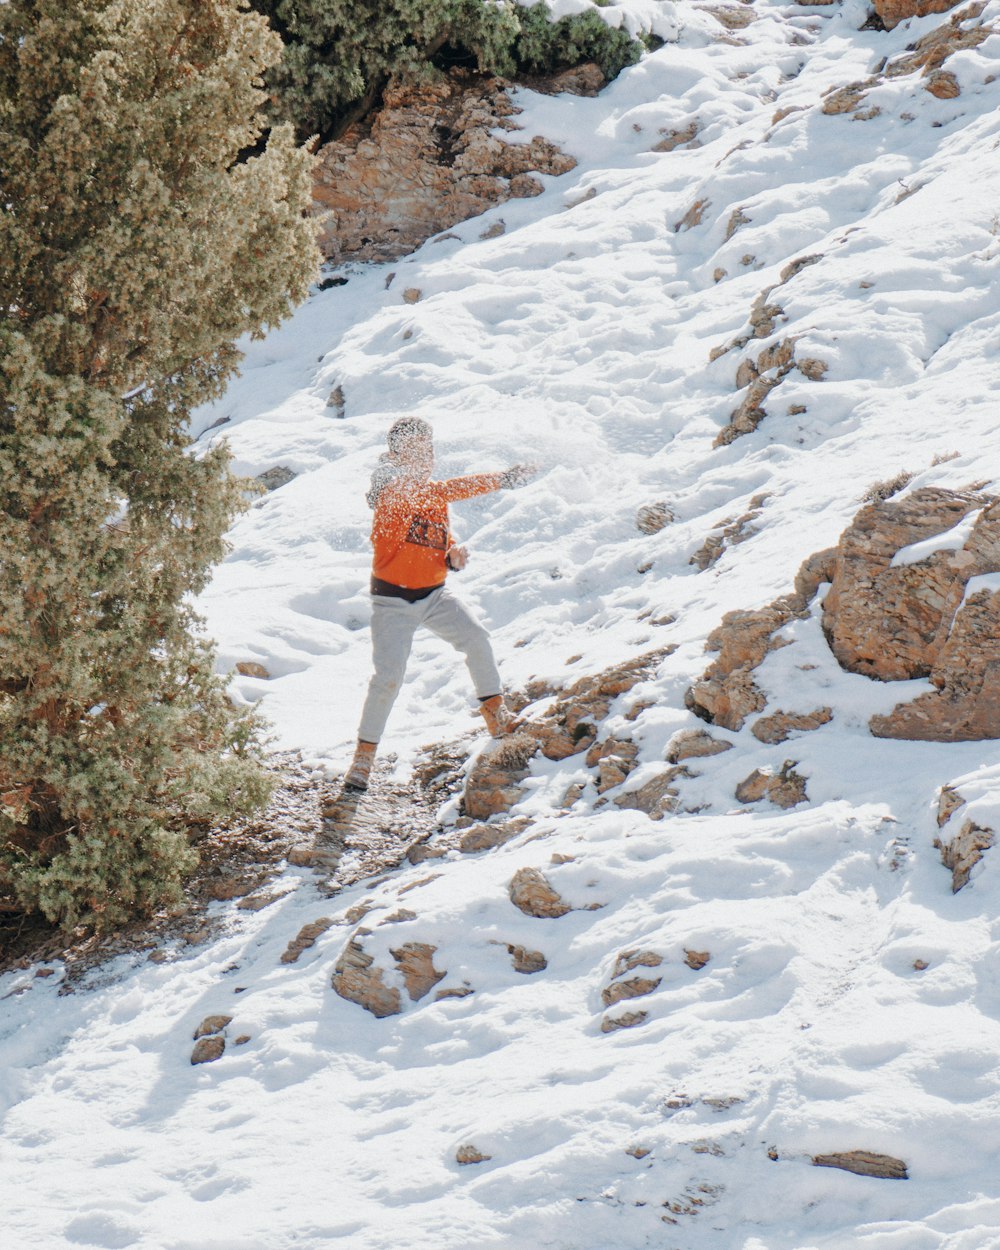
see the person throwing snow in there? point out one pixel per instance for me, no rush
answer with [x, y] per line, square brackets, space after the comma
[414, 549]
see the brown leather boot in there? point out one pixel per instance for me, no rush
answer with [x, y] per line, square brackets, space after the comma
[356, 777]
[497, 715]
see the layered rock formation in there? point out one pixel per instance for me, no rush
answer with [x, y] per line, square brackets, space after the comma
[895, 611]
[427, 160]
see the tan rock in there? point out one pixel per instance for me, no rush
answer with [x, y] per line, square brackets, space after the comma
[527, 961]
[727, 694]
[611, 1024]
[357, 978]
[486, 837]
[892, 12]
[469, 1154]
[864, 1163]
[687, 136]
[696, 960]
[779, 726]
[569, 725]
[694, 744]
[949, 801]
[462, 991]
[694, 216]
[626, 961]
[657, 797]
[729, 534]
[634, 987]
[416, 963]
[210, 1025]
[250, 668]
[652, 517]
[892, 623]
[306, 937]
[964, 851]
[428, 159]
[493, 784]
[208, 1049]
[846, 99]
[532, 894]
[785, 788]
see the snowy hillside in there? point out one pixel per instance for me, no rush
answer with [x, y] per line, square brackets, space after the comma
[849, 1000]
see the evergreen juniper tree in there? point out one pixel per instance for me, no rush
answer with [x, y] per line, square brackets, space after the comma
[340, 54]
[136, 244]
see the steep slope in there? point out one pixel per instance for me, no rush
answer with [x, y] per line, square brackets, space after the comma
[756, 295]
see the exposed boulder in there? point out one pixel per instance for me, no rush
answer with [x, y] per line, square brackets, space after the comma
[527, 961]
[964, 852]
[416, 963]
[902, 605]
[357, 978]
[865, 1163]
[729, 533]
[626, 961]
[784, 788]
[570, 724]
[653, 517]
[307, 936]
[891, 622]
[428, 159]
[531, 893]
[211, 1025]
[892, 12]
[694, 744]
[780, 726]
[657, 797]
[208, 1049]
[494, 781]
[629, 1020]
[634, 987]
[469, 1154]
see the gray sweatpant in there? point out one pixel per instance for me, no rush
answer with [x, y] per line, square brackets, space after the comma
[394, 622]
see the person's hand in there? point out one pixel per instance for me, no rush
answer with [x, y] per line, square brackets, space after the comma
[458, 558]
[519, 474]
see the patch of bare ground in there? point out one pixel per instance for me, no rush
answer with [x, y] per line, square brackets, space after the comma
[239, 859]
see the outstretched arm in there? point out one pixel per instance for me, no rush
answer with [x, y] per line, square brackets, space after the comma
[456, 488]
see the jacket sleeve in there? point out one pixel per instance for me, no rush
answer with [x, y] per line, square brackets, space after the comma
[456, 488]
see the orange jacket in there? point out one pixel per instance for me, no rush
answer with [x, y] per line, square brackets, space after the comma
[411, 533]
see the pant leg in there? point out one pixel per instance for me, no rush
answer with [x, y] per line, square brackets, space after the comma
[393, 624]
[451, 620]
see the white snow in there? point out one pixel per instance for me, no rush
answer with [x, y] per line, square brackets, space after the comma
[951, 540]
[580, 339]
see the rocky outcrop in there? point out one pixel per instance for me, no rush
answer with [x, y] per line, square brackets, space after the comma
[919, 617]
[494, 781]
[779, 726]
[727, 693]
[657, 797]
[865, 1163]
[729, 533]
[531, 893]
[892, 12]
[428, 159]
[415, 961]
[357, 978]
[964, 851]
[570, 724]
[694, 744]
[902, 604]
[784, 788]
[306, 937]
[925, 57]
[209, 1039]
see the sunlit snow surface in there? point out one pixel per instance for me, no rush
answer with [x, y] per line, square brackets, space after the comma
[580, 339]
